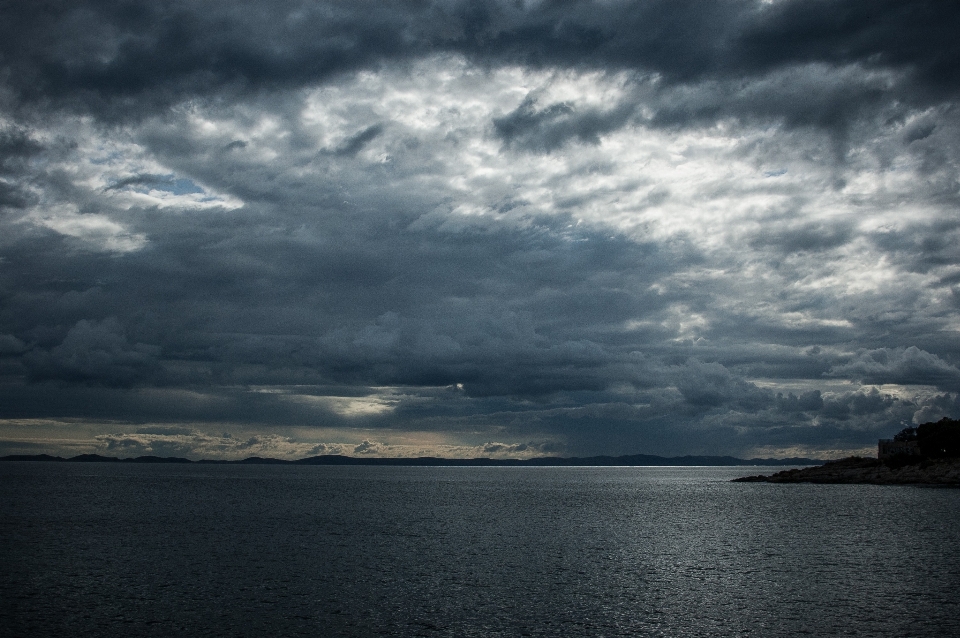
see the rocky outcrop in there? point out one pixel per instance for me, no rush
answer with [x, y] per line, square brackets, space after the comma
[902, 471]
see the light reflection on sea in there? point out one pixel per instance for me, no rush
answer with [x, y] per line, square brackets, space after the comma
[152, 550]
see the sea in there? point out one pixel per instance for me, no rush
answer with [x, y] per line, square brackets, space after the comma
[101, 549]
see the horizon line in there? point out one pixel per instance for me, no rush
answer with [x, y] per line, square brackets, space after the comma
[627, 460]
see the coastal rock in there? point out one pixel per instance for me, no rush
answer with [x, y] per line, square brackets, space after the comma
[897, 471]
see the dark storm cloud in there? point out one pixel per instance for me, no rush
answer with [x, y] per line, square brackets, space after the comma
[922, 247]
[816, 95]
[544, 129]
[901, 365]
[915, 36]
[353, 144]
[805, 237]
[17, 147]
[440, 319]
[807, 401]
[124, 57]
[94, 352]
[711, 385]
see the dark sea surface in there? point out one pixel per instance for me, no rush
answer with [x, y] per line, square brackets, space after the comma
[155, 550]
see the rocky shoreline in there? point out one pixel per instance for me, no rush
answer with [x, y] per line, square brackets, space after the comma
[857, 469]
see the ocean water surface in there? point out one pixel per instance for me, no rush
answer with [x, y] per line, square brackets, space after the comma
[225, 550]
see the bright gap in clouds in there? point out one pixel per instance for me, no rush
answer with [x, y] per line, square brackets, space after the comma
[429, 128]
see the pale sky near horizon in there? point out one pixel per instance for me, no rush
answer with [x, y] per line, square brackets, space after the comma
[477, 228]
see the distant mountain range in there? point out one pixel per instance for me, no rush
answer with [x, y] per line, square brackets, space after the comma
[334, 459]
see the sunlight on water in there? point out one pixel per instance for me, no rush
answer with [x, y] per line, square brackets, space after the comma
[121, 550]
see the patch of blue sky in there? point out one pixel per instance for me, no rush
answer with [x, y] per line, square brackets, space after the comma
[166, 183]
[176, 186]
[184, 186]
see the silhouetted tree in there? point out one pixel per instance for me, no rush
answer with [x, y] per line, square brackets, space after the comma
[906, 434]
[940, 439]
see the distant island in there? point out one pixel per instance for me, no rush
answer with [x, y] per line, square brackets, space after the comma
[542, 461]
[928, 454]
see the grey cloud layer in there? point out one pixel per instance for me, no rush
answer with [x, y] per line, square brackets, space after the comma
[122, 49]
[657, 226]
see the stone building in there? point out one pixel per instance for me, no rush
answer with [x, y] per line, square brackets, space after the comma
[887, 448]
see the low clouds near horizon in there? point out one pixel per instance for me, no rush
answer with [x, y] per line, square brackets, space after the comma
[477, 228]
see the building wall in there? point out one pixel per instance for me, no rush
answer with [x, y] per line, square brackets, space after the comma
[887, 448]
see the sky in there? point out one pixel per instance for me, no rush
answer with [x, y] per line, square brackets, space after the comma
[477, 228]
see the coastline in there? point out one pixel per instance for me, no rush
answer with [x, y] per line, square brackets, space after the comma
[860, 470]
